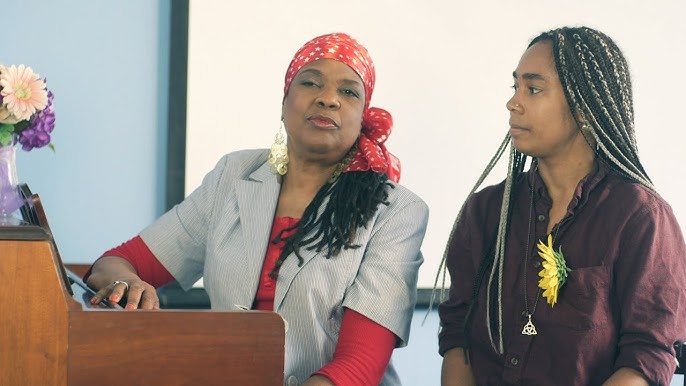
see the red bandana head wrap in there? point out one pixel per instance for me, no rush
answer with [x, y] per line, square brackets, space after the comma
[376, 122]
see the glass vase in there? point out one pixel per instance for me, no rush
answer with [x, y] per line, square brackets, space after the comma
[10, 197]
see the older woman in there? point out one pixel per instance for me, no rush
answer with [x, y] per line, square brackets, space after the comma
[316, 229]
[573, 272]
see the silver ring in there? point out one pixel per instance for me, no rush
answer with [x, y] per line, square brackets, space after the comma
[121, 282]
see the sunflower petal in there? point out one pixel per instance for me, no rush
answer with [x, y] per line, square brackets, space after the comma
[554, 272]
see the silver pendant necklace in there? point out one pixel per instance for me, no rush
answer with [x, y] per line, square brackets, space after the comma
[529, 328]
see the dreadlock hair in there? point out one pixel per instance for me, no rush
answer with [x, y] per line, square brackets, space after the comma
[353, 199]
[595, 78]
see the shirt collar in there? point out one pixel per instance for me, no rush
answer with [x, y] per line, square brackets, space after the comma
[583, 188]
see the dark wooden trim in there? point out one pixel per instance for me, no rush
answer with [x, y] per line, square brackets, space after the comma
[78, 269]
[424, 297]
[178, 77]
[23, 232]
[172, 296]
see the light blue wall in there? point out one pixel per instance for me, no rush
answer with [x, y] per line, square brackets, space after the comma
[106, 62]
[419, 363]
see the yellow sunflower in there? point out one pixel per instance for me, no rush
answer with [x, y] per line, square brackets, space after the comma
[554, 272]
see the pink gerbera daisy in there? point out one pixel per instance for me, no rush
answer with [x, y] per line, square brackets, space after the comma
[23, 92]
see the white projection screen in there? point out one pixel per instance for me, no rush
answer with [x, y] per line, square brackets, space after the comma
[444, 71]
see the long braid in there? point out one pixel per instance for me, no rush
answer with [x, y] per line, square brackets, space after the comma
[496, 256]
[442, 271]
[352, 201]
[514, 169]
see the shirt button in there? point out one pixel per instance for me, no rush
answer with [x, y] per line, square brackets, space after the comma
[524, 314]
[292, 381]
[514, 361]
[541, 217]
[536, 263]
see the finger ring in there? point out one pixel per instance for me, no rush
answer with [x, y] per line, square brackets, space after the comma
[121, 282]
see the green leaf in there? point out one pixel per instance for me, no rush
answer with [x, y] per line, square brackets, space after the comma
[20, 126]
[6, 134]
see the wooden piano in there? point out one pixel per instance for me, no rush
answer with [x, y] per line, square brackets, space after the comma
[51, 335]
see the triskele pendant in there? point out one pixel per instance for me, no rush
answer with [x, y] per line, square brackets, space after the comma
[529, 328]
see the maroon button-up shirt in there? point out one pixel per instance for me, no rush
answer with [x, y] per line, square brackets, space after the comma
[624, 302]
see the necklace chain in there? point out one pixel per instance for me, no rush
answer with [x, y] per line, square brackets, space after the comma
[529, 328]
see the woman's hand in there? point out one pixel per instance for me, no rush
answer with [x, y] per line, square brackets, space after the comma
[114, 279]
[456, 371]
[138, 293]
[626, 376]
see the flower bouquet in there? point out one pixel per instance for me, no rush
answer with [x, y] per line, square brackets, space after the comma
[26, 118]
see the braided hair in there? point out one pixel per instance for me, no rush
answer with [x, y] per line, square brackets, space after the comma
[597, 86]
[353, 199]
[596, 82]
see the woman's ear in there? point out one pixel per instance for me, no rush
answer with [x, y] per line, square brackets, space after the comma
[585, 128]
[581, 122]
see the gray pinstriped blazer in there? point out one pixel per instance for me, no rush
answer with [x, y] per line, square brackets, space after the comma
[221, 232]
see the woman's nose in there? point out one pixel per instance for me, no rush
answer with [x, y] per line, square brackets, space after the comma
[512, 105]
[328, 98]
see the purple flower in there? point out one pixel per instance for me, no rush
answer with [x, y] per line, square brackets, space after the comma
[37, 134]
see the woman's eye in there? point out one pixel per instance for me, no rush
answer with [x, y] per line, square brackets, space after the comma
[308, 83]
[534, 90]
[515, 87]
[350, 92]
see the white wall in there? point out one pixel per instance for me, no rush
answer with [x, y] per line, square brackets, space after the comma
[444, 71]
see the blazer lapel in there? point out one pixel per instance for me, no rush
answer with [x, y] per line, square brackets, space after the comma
[257, 197]
[290, 267]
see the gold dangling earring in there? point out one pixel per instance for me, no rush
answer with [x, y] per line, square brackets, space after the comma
[278, 154]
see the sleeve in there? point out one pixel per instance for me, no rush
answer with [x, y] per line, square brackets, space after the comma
[385, 287]
[148, 268]
[650, 277]
[146, 264]
[362, 353]
[460, 266]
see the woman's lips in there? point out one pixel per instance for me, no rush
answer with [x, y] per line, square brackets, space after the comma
[322, 122]
[514, 129]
